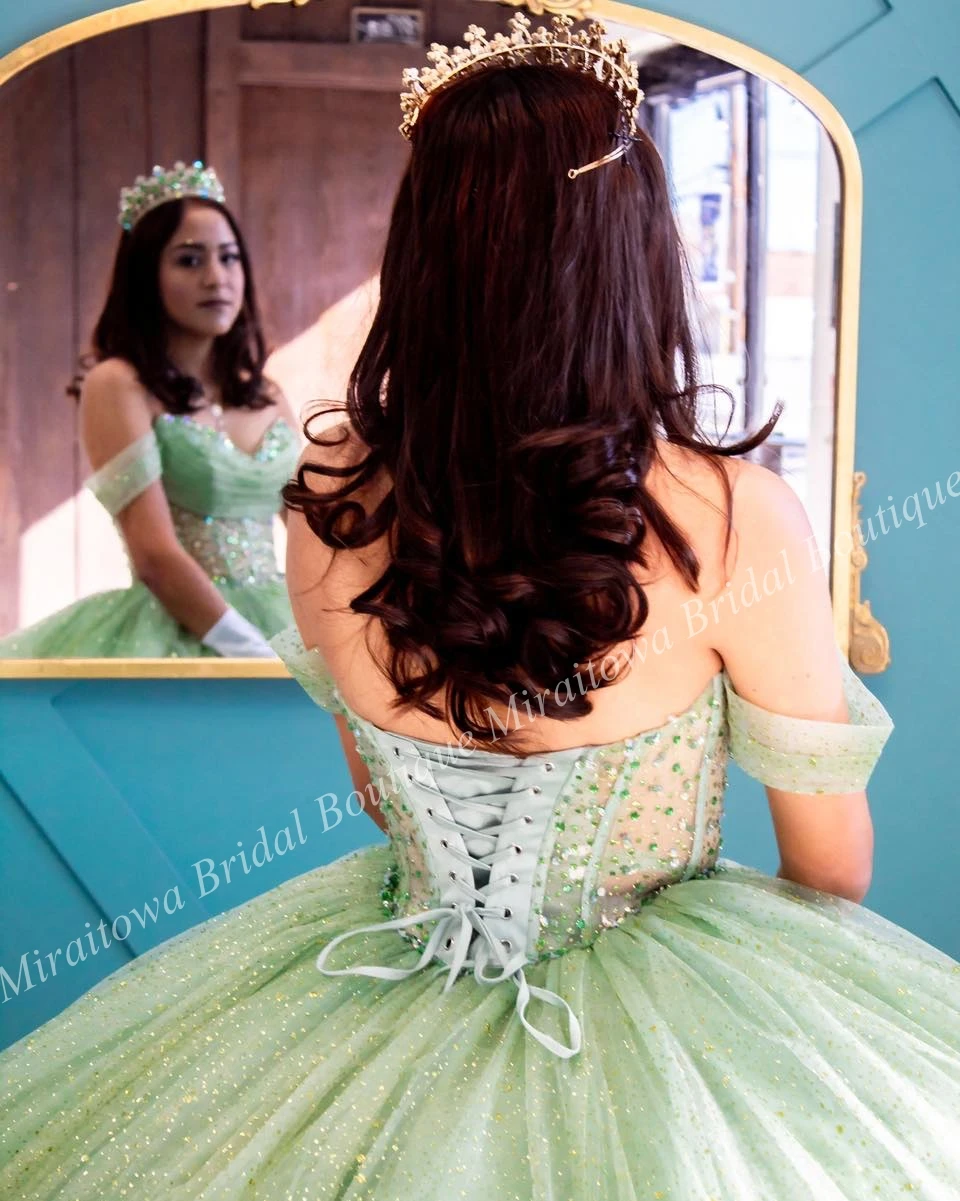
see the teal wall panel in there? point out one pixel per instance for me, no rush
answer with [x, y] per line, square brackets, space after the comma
[20, 23]
[254, 771]
[43, 906]
[125, 797]
[908, 440]
[111, 791]
[796, 34]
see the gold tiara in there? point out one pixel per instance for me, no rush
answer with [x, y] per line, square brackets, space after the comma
[585, 51]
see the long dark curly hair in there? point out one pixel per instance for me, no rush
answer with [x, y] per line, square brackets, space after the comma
[531, 343]
[133, 322]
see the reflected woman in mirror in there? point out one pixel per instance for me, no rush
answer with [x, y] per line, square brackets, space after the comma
[189, 442]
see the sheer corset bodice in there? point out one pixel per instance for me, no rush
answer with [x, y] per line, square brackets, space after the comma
[605, 824]
[500, 861]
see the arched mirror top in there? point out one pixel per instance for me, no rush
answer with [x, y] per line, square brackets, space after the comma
[764, 171]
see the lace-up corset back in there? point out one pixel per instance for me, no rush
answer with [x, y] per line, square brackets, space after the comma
[502, 860]
[570, 840]
[600, 827]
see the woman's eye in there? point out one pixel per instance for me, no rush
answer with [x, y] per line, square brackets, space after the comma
[188, 260]
[230, 257]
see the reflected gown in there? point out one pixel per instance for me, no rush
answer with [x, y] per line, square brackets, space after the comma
[222, 501]
[549, 986]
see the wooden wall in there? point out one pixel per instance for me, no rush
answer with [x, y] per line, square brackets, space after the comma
[77, 125]
[301, 126]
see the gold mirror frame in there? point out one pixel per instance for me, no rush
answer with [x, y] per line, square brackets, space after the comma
[861, 637]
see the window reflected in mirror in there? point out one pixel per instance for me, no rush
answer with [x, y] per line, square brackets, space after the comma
[300, 123]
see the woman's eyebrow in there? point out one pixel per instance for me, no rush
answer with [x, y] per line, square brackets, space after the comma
[201, 245]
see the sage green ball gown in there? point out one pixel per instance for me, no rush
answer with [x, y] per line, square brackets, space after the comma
[223, 502]
[549, 986]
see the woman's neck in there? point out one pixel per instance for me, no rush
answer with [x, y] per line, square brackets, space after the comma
[192, 356]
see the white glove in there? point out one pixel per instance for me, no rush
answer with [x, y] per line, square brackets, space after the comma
[234, 637]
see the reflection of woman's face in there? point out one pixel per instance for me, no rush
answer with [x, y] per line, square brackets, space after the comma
[201, 276]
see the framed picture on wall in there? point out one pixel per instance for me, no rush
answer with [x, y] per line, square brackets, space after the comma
[399, 25]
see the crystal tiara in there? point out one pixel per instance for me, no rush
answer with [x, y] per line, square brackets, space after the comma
[585, 51]
[162, 185]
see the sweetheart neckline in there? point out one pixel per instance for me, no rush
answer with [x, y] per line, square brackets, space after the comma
[498, 756]
[222, 434]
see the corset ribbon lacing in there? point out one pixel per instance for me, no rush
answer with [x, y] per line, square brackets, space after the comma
[463, 923]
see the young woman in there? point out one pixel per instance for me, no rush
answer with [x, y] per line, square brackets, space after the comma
[503, 568]
[189, 442]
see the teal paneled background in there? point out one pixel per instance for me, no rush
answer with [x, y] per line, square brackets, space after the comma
[111, 790]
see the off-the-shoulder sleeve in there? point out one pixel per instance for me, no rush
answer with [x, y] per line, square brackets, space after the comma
[127, 474]
[797, 755]
[308, 669]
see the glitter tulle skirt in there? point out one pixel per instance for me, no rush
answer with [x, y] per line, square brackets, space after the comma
[744, 1039]
[131, 623]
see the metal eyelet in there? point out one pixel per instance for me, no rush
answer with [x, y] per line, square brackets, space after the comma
[528, 819]
[513, 878]
[508, 912]
[452, 875]
[505, 942]
[548, 767]
[448, 944]
[429, 813]
[535, 789]
[396, 751]
[444, 844]
[519, 850]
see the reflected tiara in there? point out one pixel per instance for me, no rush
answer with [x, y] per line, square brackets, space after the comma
[585, 51]
[162, 184]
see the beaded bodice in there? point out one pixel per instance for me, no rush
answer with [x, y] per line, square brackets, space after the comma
[222, 500]
[503, 860]
[602, 826]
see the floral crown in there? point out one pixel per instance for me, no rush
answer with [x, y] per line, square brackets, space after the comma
[162, 185]
[557, 46]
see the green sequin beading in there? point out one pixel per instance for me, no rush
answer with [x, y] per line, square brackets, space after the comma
[236, 550]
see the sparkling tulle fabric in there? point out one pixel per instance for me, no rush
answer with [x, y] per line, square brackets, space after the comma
[744, 1038]
[222, 502]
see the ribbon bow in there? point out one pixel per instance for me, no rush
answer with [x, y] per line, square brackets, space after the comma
[455, 929]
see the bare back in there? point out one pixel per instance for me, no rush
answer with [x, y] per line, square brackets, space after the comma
[670, 665]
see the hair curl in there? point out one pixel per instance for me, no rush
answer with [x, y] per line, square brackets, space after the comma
[521, 364]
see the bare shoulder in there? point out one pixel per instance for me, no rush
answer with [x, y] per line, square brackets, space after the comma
[113, 383]
[682, 472]
[767, 510]
[112, 374]
[695, 492]
[779, 610]
[115, 409]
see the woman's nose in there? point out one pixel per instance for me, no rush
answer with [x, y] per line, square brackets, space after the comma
[214, 273]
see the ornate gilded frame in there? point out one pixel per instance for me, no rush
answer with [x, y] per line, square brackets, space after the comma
[858, 632]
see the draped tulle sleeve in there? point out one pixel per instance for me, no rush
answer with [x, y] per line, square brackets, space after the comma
[127, 474]
[798, 755]
[309, 670]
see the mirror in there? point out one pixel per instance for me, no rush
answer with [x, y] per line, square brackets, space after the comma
[297, 108]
